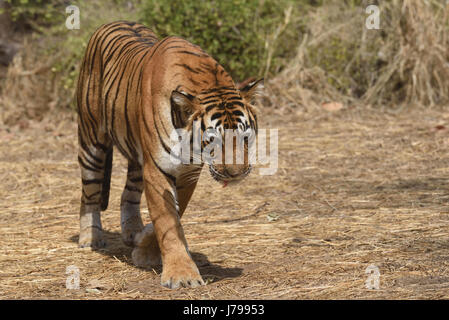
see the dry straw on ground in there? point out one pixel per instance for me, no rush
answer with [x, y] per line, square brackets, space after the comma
[352, 190]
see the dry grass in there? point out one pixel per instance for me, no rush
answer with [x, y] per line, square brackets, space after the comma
[405, 62]
[416, 53]
[30, 89]
[353, 189]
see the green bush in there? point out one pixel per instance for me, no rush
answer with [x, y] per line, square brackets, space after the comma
[35, 13]
[243, 36]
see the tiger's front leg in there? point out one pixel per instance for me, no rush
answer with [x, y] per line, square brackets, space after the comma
[165, 234]
[146, 251]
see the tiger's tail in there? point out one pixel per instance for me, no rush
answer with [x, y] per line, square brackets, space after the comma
[106, 181]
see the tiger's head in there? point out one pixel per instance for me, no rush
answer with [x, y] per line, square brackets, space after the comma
[227, 123]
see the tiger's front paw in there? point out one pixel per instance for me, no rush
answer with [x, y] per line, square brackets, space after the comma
[181, 273]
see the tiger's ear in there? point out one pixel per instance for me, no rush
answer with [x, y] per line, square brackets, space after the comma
[182, 107]
[252, 89]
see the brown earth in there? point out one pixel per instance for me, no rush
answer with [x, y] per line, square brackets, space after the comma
[353, 189]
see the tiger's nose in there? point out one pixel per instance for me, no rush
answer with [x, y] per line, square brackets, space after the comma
[231, 175]
[234, 171]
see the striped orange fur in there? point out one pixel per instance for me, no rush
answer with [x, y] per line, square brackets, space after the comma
[133, 91]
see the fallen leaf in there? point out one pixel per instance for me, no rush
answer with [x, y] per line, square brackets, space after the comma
[332, 106]
[439, 128]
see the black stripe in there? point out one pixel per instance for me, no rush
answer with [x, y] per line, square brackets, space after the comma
[203, 126]
[92, 195]
[237, 98]
[173, 47]
[132, 202]
[132, 189]
[220, 94]
[96, 166]
[102, 147]
[136, 180]
[92, 181]
[196, 83]
[86, 150]
[216, 115]
[218, 89]
[201, 55]
[209, 108]
[237, 113]
[236, 103]
[85, 166]
[188, 68]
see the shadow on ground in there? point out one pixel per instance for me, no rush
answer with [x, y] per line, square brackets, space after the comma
[116, 249]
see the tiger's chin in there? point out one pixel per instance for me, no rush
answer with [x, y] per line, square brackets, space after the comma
[228, 181]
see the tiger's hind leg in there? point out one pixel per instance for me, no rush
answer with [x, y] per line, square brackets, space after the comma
[146, 249]
[95, 160]
[130, 218]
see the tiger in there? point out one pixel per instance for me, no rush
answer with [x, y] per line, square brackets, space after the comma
[133, 90]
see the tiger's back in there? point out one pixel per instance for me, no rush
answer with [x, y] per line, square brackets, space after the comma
[109, 84]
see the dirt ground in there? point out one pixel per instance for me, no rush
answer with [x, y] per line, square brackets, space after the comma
[354, 189]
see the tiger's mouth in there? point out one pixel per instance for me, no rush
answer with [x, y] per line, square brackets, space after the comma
[225, 179]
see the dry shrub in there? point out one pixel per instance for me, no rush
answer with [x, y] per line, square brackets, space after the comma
[31, 89]
[339, 59]
[418, 55]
